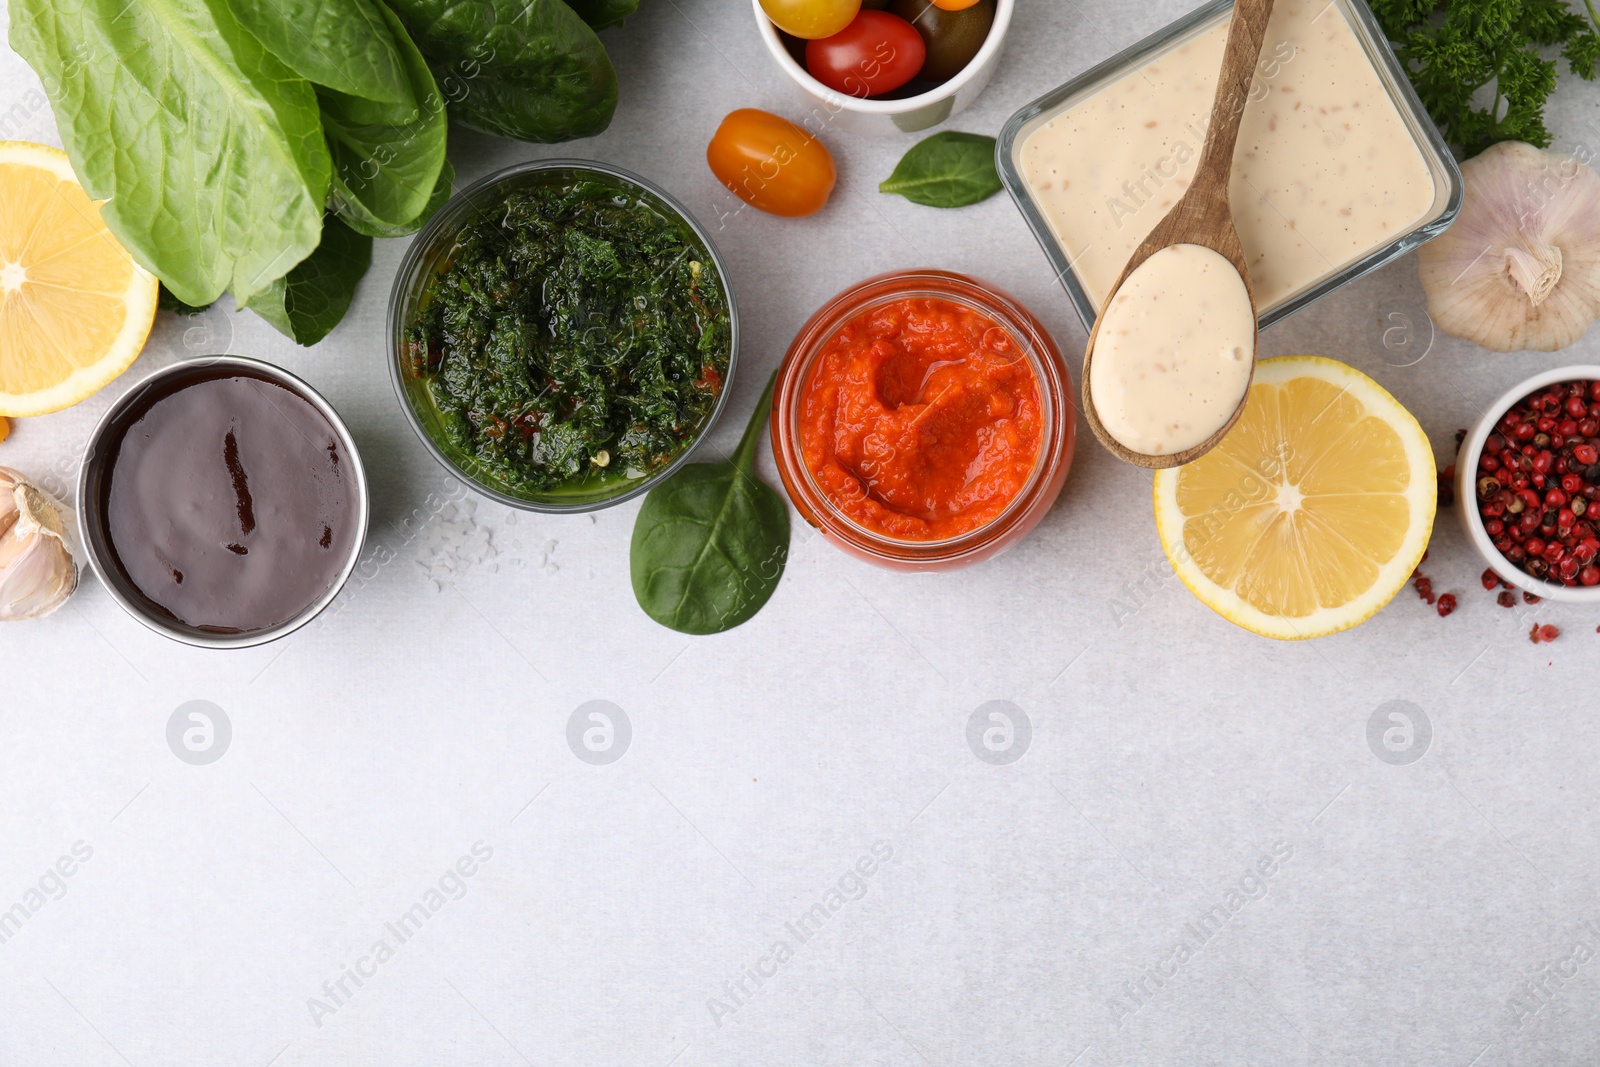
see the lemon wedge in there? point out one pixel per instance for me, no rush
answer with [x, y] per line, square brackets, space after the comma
[75, 309]
[1314, 510]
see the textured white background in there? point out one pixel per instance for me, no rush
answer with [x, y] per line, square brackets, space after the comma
[1169, 749]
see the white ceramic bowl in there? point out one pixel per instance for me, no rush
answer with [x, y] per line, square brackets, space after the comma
[1467, 487]
[889, 117]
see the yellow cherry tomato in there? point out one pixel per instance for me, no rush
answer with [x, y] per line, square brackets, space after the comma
[771, 164]
[812, 19]
[954, 5]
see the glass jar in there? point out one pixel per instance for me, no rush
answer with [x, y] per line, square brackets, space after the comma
[1038, 492]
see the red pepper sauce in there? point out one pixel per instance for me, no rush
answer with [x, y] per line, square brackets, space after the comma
[921, 420]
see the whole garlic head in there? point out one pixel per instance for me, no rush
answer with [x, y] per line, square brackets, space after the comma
[37, 572]
[1520, 267]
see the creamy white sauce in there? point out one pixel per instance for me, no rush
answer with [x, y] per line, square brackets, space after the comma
[1325, 171]
[1173, 355]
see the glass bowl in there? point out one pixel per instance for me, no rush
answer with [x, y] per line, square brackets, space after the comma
[1441, 165]
[436, 241]
[1031, 503]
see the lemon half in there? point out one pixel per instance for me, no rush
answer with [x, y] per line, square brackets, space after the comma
[75, 309]
[1312, 512]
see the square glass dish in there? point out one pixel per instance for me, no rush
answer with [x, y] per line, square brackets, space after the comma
[1339, 169]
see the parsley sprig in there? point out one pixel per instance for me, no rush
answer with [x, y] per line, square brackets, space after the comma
[1456, 48]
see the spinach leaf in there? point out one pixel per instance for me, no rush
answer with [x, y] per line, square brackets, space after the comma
[528, 69]
[387, 158]
[344, 45]
[949, 169]
[603, 14]
[711, 542]
[308, 302]
[208, 150]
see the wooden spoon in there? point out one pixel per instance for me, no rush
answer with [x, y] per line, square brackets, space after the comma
[1203, 216]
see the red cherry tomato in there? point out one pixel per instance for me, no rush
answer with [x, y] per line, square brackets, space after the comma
[771, 164]
[876, 54]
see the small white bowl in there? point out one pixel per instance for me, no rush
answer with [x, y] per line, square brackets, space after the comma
[890, 117]
[1467, 487]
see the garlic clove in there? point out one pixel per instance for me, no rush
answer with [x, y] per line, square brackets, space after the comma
[38, 581]
[1520, 268]
[37, 571]
[8, 506]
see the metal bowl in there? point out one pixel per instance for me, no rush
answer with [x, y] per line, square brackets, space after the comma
[95, 538]
[435, 241]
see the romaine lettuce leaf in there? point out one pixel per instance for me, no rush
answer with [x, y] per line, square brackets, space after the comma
[209, 150]
[360, 220]
[386, 157]
[344, 45]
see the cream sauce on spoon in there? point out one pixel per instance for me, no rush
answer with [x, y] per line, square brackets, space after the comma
[1173, 356]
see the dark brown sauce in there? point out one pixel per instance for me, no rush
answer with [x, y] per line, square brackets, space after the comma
[226, 503]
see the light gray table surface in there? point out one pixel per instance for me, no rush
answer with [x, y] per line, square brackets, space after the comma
[1026, 913]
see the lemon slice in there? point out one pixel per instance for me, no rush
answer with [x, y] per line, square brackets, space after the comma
[75, 308]
[1314, 510]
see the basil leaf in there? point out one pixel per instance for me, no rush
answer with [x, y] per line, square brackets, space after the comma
[344, 45]
[947, 170]
[711, 541]
[207, 149]
[528, 69]
[386, 157]
[308, 302]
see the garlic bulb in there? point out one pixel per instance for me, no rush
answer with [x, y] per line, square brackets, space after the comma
[1520, 268]
[37, 572]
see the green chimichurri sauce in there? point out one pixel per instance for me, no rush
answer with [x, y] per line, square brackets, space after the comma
[576, 334]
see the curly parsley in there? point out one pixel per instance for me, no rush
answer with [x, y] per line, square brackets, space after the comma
[1455, 49]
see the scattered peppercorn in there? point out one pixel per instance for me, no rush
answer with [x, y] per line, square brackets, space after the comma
[1506, 600]
[1530, 598]
[1490, 579]
[1447, 604]
[1424, 587]
[1543, 634]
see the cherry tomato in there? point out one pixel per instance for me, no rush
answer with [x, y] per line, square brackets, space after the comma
[771, 164]
[954, 5]
[876, 54]
[952, 37]
[811, 18]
